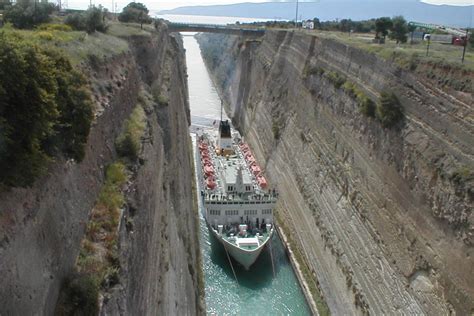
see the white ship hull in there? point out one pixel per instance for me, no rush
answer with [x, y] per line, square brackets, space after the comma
[245, 257]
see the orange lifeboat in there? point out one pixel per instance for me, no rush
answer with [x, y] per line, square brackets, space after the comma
[262, 182]
[209, 169]
[255, 169]
[206, 161]
[211, 184]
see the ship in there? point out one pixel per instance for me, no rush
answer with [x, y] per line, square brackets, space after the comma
[238, 204]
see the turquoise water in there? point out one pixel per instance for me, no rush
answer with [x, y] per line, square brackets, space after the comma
[259, 291]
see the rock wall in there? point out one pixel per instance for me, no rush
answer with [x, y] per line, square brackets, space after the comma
[381, 214]
[41, 227]
[159, 241]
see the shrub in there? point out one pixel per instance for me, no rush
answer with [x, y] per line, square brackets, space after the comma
[76, 21]
[45, 109]
[93, 19]
[462, 175]
[162, 100]
[276, 130]
[55, 27]
[313, 70]
[389, 110]
[129, 142]
[367, 106]
[336, 79]
[80, 296]
[25, 14]
[47, 36]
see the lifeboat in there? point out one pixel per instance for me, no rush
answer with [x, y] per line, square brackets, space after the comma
[206, 161]
[251, 160]
[255, 169]
[211, 184]
[209, 170]
[262, 182]
[205, 154]
[202, 147]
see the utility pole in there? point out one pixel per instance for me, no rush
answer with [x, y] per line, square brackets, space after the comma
[428, 46]
[465, 45]
[296, 16]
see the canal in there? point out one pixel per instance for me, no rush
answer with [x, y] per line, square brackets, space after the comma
[259, 291]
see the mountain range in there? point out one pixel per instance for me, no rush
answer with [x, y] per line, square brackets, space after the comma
[326, 10]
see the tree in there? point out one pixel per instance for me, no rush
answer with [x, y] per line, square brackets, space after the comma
[471, 38]
[345, 25]
[4, 4]
[45, 109]
[93, 19]
[317, 23]
[135, 12]
[399, 29]
[411, 29]
[382, 25]
[25, 15]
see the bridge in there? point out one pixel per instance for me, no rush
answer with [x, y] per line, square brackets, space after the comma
[215, 28]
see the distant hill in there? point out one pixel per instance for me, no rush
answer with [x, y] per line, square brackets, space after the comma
[412, 10]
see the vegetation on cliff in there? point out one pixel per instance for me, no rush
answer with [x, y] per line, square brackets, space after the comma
[135, 12]
[98, 263]
[27, 14]
[129, 142]
[91, 20]
[45, 109]
[389, 110]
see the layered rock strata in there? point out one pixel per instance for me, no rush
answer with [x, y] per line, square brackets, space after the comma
[383, 215]
[41, 227]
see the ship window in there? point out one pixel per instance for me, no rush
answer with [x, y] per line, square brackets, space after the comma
[230, 188]
[265, 212]
[250, 212]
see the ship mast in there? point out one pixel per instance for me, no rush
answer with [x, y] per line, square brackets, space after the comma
[222, 105]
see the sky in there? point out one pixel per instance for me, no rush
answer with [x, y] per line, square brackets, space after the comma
[157, 5]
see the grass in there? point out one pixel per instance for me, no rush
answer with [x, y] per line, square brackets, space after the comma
[365, 103]
[128, 144]
[321, 305]
[77, 45]
[442, 66]
[98, 248]
[129, 29]
[335, 78]
[97, 263]
[463, 175]
[448, 53]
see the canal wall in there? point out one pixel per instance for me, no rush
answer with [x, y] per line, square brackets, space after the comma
[41, 227]
[382, 215]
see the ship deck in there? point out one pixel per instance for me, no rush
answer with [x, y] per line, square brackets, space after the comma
[249, 241]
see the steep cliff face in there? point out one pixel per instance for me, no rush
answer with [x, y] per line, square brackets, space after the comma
[42, 226]
[383, 216]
